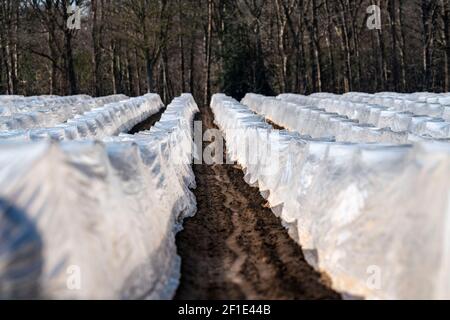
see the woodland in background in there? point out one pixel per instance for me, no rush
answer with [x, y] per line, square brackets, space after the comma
[231, 46]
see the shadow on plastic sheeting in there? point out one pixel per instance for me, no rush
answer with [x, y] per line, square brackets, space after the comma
[21, 260]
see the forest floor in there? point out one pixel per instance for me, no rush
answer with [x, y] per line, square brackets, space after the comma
[235, 247]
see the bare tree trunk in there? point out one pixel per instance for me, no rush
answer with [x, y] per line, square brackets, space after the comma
[112, 65]
[165, 95]
[2, 89]
[5, 40]
[446, 19]
[402, 47]
[317, 49]
[168, 93]
[393, 25]
[374, 64]
[353, 10]
[192, 66]
[147, 55]
[52, 44]
[96, 40]
[5, 54]
[297, 38]
[13, 40]
[120, 70]
[382, 65]
[54, 64]
[138, 73]
[207, 46]
[149, 68]
[221, 30]
[345, 48]
[428, 39]
[130, 73]
[181, 46]
[330, 47]
[68, 53]
[281, 26]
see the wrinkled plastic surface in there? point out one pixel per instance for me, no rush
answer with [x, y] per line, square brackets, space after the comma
[399, 112]
[318, 123]
[54, 114]
[10, 105]
[374, 217]
[110, 119]
[104, 211]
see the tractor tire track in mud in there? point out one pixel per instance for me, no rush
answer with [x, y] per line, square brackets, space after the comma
[235, 247]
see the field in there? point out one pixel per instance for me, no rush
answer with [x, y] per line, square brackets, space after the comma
[289, 197]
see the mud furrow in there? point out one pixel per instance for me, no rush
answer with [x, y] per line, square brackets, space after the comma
[147, 123]
[235, 203]
[235, 248]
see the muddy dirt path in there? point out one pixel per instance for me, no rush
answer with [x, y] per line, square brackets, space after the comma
[147, 123]
[235, 248]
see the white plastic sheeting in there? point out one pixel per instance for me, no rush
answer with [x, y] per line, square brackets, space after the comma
[394, 112]
[110, 119]
[419, 103]
[54, 114]
[90, 220]
[16, 104]
[375, 218]
[318, 123]
[9, 97]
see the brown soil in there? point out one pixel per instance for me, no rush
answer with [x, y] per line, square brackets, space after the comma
[274, 125]
[147, 123]
[236, 248]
